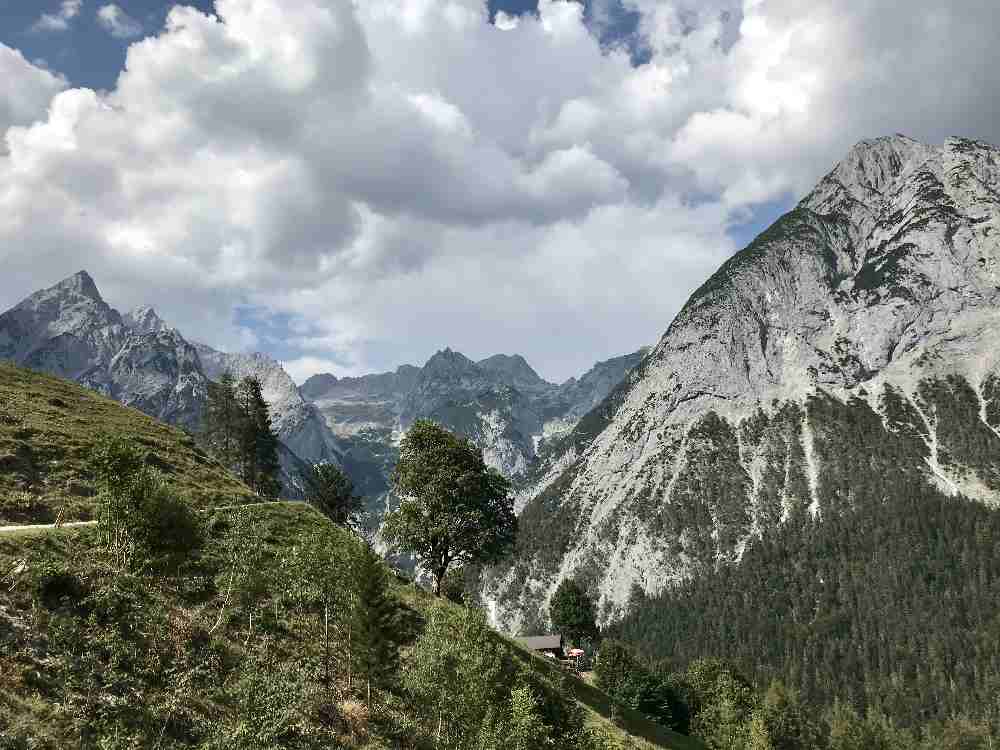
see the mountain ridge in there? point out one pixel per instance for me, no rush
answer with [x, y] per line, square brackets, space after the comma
[876, 297]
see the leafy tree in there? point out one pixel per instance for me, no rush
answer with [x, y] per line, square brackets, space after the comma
[454, 509]
[331, 491]
[140, 517]
[317, 572]
[572, 612]
[467, 691]
[455, 673]
[629, 683]
[245, 553]
[374, 626]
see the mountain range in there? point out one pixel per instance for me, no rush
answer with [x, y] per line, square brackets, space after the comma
[138, 359]
[848, 353]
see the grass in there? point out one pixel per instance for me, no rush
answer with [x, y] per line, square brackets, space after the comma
[36, 697]
[47, 428]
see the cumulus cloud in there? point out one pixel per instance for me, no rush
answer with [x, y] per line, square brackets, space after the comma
[25, 90]
[60, 20]
[390, 177]
[117, 22]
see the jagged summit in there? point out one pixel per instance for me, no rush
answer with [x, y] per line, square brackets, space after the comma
[512, 369]
[80, 283]
[144, 319]
[449, 363]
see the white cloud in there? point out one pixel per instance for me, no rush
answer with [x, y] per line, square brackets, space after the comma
[25, 91]
[505, 21]
[117, 22]
[60, 20]
[395, 176]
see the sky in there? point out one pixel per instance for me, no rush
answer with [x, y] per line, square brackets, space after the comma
[351, 186]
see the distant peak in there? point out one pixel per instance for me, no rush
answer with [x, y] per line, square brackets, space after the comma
[511, 368]
[448, 361]
[80, 283]
[144, 319]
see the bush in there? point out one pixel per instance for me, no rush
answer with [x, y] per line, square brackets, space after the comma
[167, 526]
[56, 585]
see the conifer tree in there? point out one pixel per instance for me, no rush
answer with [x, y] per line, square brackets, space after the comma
[258, 444]
[374, 627]
[222, 421]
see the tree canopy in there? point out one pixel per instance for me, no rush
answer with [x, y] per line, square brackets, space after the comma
[572, 612]
[454, 509]
[331, 491]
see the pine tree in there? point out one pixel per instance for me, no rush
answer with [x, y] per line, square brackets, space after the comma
[258, 445]
[222, 420]
[374, 626]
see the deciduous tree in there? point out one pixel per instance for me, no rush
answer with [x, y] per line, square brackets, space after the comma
[454, 509]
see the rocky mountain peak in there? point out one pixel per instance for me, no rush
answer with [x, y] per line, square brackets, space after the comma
[512, 369]
[873, 300]
[143, 319]
[449, 364]
[80, 284]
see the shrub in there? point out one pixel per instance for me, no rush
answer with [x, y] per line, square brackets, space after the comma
[56, 585]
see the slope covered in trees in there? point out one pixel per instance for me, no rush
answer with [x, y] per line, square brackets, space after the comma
[890, 606]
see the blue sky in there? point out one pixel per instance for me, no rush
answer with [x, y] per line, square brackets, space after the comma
[89, 56]
[86, 53]
[350, 186]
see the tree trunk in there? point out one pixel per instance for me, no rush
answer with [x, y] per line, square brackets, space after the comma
[326, 644]
[349, 658]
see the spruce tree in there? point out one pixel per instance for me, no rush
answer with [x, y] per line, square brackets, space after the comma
[374, 625]
[259, 463]
[222, 420]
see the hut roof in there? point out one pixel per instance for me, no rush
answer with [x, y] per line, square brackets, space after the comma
[542, 642]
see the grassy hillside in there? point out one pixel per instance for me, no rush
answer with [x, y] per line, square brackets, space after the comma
[47, 426]
[88, 653]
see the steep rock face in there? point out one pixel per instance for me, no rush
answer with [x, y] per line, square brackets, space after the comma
[500, 402]
[158, 373]
[849, 349]
[66, 329]
[70, 331]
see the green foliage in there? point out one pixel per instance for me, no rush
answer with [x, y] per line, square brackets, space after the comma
[455, 510]
[453, 586]
[141, 518]
[257, 443]
[783, 722]
[269, 698]
[328, 489]
[629, 683]
[470, 693]
[375, 634]
[114, 461]
[572, 612]
[708, 506]
[892, 605]
[222, 421]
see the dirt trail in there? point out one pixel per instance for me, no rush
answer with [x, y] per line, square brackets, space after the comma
[70, 524]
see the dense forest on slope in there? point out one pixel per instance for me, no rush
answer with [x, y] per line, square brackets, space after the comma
[893, 605]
